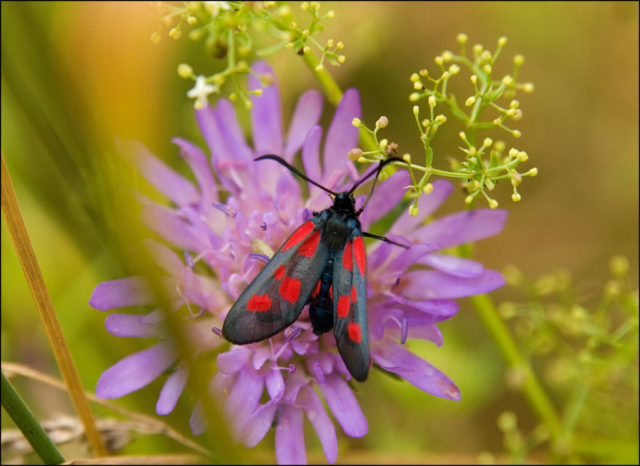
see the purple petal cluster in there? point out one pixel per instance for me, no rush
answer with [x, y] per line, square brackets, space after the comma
[409, 291]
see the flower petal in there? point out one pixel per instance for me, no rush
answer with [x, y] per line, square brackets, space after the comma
[311, 155]
[164, 257]
[275, 384]
[453, 265]
[266, 115]
[423, 375]
[136, 371]
[432, 284]
[290, 447]
[232, 362]
[170, 226]
[172, 390]
[197, 421]
[343, 405]
[131, 291]
[421, 329]
[312, 405]
[306, 115]
[294, 383]
[342, 135]
[129, 325]
[408, 257]
[259, 424]
[440, 309]
[200, 167]
[386, 196]
[232, 132]
[210, 130]
[462, 227]
[243, 400]
[164, 179]
[427, 205]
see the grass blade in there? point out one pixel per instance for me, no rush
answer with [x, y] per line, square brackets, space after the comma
[28, 424]
[31, 269]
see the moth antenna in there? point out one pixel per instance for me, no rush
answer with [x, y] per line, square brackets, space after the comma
[375, 180]
[294, 170]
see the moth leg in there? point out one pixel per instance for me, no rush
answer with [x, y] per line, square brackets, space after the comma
[383, 238]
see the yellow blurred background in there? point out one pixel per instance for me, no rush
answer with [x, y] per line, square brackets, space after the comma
[76, 75]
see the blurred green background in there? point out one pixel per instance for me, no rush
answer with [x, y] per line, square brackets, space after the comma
[76, 75]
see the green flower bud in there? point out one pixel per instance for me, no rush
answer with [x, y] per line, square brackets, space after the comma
[619, 265]
[355, 154]
[507, 422]
[185, 71]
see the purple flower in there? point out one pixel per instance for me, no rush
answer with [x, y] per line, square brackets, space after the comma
[265, 204]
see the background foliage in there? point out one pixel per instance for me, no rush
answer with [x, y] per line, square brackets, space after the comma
[76, 75]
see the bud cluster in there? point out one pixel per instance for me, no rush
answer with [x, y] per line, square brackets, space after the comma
[486, 164]
[227, 29]
[479, 174]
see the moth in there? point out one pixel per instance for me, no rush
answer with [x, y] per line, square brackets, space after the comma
[323, 264]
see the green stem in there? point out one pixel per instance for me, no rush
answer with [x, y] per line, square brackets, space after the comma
[333, 93]
[531, 387]
[28, 424]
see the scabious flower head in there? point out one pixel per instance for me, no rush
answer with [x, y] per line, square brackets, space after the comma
[265, 203]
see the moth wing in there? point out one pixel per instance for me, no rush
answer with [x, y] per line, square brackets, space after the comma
[350, 306]
[275, 298]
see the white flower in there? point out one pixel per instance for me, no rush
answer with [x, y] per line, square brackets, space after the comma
[201, 90]
[215, 7]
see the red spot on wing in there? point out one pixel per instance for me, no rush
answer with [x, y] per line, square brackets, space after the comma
[361, 256]
[280, 272]
[290, 289]
[309, 247]
[354, 294]
[343, 306]
[354, 333]
[347, 259]
[298, 235]
[259, 303]
[331, 292]
[316, 290]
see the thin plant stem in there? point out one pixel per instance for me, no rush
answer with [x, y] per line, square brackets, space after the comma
[28, 424]
[31, 269]
[33, 374]
[531, 387]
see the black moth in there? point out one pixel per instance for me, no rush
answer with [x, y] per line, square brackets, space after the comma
[323, 263]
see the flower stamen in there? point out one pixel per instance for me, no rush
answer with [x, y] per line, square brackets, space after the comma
[224, 209]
